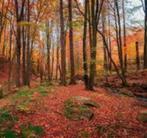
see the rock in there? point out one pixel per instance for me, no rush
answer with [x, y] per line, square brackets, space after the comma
[81, 98]
[85, 101]
[79, 108]
[87, 115]
[91, 104]
[143, 116]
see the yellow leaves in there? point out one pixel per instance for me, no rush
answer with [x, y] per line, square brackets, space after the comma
[30, 24]
[25, 23]
[78, 24]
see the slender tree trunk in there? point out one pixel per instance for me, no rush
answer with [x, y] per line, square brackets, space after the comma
[145, 36]
[93, 46]
[104, 47]
[57, 64]
[109, 44]
[118, 33]
[63, 46]
[57, 57]
[24, 56]
[18, 53]
[48, 51]
[119, 41]
[52, 71]
[124, 33]
[1, 18]
[4, 44]
[85, 66]
[137, 56]
[19, 17]
[24, 52]
[111, 59]
[28, 47]
[72, 64]
[10, 60]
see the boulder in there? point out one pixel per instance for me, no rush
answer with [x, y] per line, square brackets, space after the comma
[85, 101]
[79, 108]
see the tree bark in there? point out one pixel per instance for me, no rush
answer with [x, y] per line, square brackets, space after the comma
[119, 41]
[137, 56]
[93, 46]
[28, 47]
[10, 60]
[48, 43]
[145, 36]
[124, 37]
[85, 66]
[72, 63]
[63, 47]
[19, 16]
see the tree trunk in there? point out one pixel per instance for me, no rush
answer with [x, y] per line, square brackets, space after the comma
[24, 56]
[19, 17]
[104, 47]
[72, 64]
[119, 41]
[109, 44]
[48, 51]
[137, 56]
[63, 47]
[145, 36]
[85, 66]
[57, 64]
[28, 47]
[124, 33]
[52, 71]
[10, 60]
[18, 53]
[93, 30]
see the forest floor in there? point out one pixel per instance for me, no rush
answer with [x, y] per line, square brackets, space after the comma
[46, 111]
[116, 115]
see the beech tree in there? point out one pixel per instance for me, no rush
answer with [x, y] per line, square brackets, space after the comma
[19, 9]
[63, 47]
[145, 35]
[72, 66]
[85, 66]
